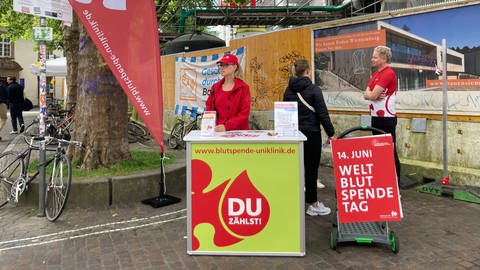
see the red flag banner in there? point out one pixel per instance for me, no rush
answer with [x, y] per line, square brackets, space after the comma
[365, 179]
[126, 34]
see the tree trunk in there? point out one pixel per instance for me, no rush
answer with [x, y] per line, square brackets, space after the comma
[101, 112]
[70, 50]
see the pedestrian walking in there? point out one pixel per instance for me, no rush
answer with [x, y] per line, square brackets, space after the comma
[16, 100]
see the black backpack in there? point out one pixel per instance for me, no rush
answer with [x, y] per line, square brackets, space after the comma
[27, 105]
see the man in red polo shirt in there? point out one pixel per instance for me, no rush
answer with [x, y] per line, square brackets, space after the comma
[381, 92]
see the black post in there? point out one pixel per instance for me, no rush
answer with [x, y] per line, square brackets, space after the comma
[163, 199]
[42, 152]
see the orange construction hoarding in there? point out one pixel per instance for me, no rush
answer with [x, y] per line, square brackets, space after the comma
[367, 39]
[455, 83]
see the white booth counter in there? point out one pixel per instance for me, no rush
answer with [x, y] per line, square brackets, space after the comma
[245, 194]
[244, 135]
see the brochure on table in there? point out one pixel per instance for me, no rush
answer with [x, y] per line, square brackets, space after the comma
[208, 123]
[286, 118]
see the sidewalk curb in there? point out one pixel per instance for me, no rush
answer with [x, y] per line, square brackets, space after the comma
[107, 191]
[102, 192]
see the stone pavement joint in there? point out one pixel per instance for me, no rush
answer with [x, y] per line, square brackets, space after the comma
[135, 223]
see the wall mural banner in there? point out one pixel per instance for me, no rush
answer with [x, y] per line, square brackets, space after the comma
[195, 77]
[126, 34]
[343, 69]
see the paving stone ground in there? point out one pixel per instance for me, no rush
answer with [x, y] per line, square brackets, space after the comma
[436, 233]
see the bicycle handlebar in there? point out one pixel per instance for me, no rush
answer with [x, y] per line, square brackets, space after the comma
[197, 114]
[363, 128]
[60, 141]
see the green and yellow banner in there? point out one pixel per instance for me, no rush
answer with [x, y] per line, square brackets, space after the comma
[246, 198]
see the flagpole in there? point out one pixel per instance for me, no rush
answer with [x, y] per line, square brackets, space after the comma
[445, 179]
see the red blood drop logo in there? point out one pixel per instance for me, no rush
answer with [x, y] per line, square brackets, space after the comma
[245, 211]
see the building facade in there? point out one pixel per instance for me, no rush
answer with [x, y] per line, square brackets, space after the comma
[16, 59]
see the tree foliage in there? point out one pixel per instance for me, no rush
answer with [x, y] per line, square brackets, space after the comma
[238, 2]
[19, 25]
[169, 12]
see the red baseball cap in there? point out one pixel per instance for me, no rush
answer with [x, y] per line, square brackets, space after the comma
[228, 59]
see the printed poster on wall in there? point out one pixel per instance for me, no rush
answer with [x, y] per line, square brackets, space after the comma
[242, 207]
[343, 67]
[195, 76]
[365, 179]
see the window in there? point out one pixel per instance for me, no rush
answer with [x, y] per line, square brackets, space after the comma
[407, 51]
[5, 47]
[452, 59]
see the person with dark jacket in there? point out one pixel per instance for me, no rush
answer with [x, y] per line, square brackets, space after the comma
[16, 100]
[312, 112]
[230, 97]
[3, 105]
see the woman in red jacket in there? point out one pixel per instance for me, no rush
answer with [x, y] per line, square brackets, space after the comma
[230, 97]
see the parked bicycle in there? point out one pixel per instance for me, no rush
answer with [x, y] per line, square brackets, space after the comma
[58, 125]
[182, 127]
[137, 132]
[15, 177]
[61, 124]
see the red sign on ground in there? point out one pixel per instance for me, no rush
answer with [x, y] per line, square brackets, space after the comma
[365, 178]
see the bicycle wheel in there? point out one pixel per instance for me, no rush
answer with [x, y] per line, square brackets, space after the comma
[136, 132]
[11, 169]
[137, 129]
[58, 186]
[145, 132]
[175, 138]
[33, 130]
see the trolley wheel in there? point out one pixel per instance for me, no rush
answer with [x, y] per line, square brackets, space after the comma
[394, 243]
[333, 239]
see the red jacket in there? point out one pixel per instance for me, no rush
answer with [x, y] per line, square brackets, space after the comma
[232, 107]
